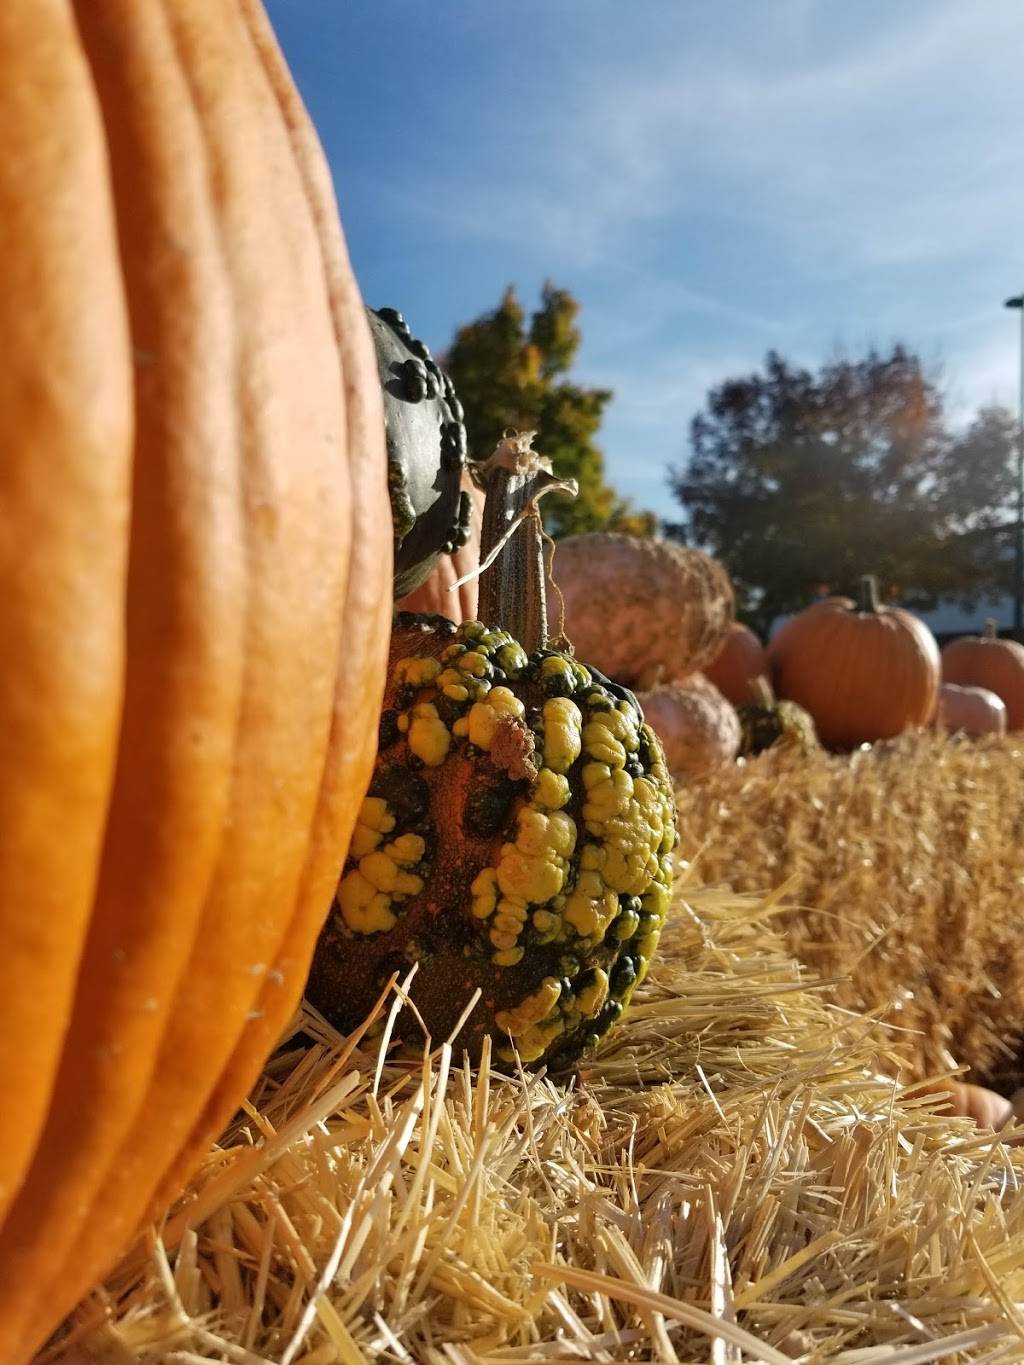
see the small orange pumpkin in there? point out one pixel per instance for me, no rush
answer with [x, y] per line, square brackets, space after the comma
[738, 665]
[438, 596]
[970, 711]
[986, 661]
[864, 672]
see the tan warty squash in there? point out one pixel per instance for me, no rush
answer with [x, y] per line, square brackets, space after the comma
[699, 730]
[643, 610]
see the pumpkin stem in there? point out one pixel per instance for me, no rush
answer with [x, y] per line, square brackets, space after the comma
[761, 690]
[513, 580]
[990, 631]
[867, 598]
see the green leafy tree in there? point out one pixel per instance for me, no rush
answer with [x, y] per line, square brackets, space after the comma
[801, 482]
[510, 372]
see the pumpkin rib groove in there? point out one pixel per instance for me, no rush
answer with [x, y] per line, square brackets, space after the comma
[297, 527]
[234, 520]
[179, 724]
[348, 765]
[63, 559]
[221, 937]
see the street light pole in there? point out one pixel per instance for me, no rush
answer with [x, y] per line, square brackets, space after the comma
[1018, 544]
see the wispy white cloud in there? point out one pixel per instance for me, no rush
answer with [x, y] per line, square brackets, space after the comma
[862, 161]
[894, 149]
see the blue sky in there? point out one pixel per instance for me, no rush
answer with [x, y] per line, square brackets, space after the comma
[710, 178]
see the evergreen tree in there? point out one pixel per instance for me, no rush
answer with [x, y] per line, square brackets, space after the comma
[509, 372]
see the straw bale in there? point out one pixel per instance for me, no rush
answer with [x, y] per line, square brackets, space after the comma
[731, 1178]
[904, 874]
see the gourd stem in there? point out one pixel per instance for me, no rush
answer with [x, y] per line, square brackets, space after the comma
[990, 631]
[513, 590]
[867, 600]
[513, 593]
[762, 691]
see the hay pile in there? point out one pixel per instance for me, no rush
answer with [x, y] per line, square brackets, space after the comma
[728, 1180]
[905, 877]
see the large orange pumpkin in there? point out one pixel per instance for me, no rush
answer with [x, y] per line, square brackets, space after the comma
[195, 559]
[864, 672]
[986, 661]
[738, 665]
[438, 596]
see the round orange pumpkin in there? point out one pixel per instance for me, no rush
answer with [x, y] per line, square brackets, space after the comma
[738, 665]
[986, 661]
[969, 711]
[195, 554]
[438, 596]
[864, 672]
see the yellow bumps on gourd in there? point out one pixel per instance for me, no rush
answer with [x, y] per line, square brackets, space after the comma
[602, 745]
[591, 911]
[364, 909]
[429, 738]
[609, 794]
[408, 848]
[372, 823]
[533, 868]
[486, 716]
[367, 892]
[484, 891]
[473, 663]
[592, 997]
[556, 666]
[563, 733]
[416, 672]
[550, 790]
[531, 1010]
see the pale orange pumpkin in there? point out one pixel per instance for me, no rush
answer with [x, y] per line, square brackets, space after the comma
[864, 672]
[195, 553]
[738, 666]
[963, 1099]
[438, 596]
[986, 661]
[699, 730]
[969, 711]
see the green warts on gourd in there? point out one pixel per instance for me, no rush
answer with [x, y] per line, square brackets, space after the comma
[517, 839]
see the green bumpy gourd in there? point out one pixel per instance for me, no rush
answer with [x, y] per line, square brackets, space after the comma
[426, 445]
[517, 838]
[765, 724]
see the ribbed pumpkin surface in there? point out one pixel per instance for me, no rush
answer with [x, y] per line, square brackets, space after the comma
[195, 560]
